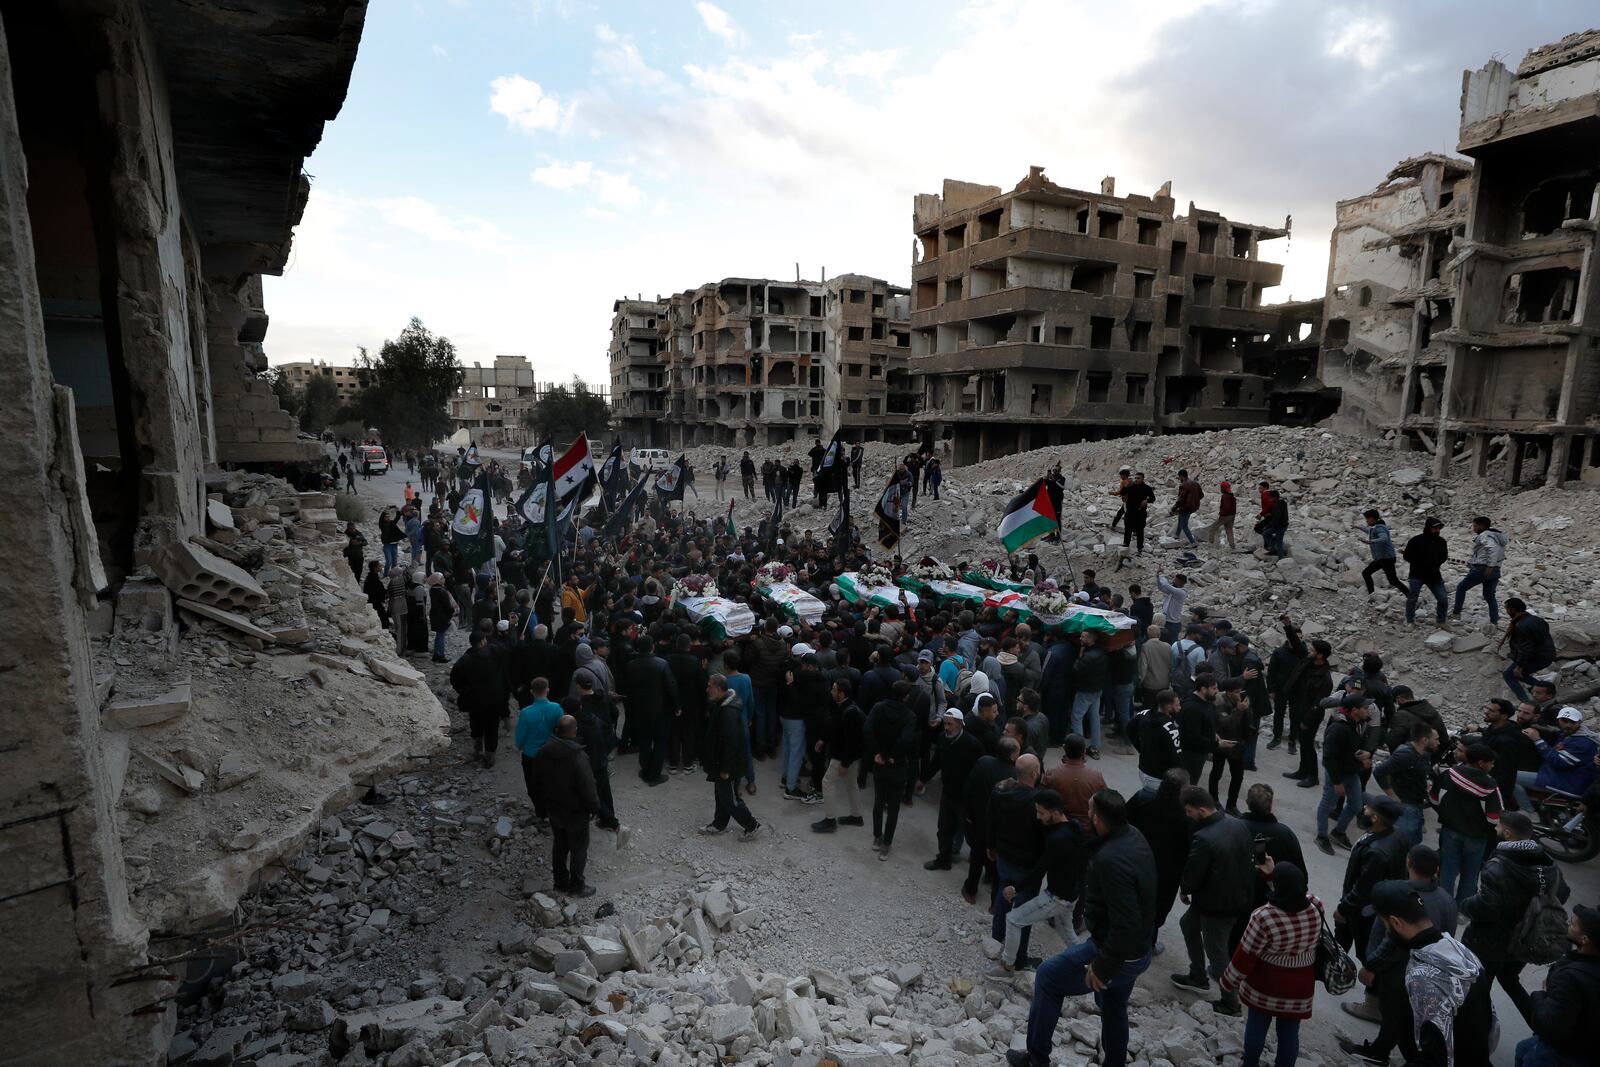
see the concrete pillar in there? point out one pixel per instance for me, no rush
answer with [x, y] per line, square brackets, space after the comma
[1560, 453]
[1514, 466]
[70, 931]
[1443, 453]
[1481, 443]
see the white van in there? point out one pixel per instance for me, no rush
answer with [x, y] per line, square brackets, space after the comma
[651, 459]
[372, 457]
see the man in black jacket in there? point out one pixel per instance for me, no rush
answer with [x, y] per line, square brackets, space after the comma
[1219, 885]
[1416, 941]
[956, 753]
[1282, 844]
[1380, 855]
[889, 740]
[597, 731]
[983, 722]
[1564, 1014]
[1518, 871]
[652, 695]
[1281, 667]
[689, 676]
[1157, 736]
[1425, 554]
[566, 788]
[1406, 776]
[1119, 904]
[840, 746]
[985, 774]
[480, 686]
[1409, 709]
[1343, 758]
[802, 709]
[1015, 840]
[724, 752]
[1197, 726]
[1050, 890]
[1311, 681]
[1532, 648]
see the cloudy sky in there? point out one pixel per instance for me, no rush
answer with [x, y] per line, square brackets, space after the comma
[505, 169]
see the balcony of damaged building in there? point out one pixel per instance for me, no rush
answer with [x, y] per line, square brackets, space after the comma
[189, 649]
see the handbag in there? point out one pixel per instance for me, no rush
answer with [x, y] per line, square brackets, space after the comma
[1335, 969]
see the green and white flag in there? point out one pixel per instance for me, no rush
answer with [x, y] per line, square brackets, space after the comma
[474, 524]
[724, 618]
[853, 589]
[1033, 514]
[795, 602]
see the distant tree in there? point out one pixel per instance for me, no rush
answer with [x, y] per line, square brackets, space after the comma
[319, 402]
[409, 387]
[288, 396]
[562, 413]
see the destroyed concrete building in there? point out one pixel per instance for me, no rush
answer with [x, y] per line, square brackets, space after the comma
[1522, 368]
[1047, 315]
[753, 362]
[1391, 291]
[150, 172]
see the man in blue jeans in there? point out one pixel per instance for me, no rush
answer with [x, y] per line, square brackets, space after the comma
[1426, 553]
[1483, 567]
[1469, 807]
[1344, 759]
[1119, 909]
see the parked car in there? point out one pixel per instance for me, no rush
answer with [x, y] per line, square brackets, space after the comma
[372, 457]
[651, 459]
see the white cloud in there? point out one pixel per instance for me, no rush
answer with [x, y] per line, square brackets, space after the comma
[429, 220]
[719, 22]
[622, 65]
[1364, 40]
[524, 103]
[869, 64]
[441, 52]
[612, 189]
[606, 34]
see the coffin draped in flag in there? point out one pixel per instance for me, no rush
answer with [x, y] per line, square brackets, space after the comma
[671, 483]
[473, 527]
[944, 589]
[1031, 515]
[794, 602]
[719, 616]
[888, 512]
[575, 467]
[854, 589]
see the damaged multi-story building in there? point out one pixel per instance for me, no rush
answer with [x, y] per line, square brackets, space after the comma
[1391, 293]
[1047, 315]
[151, 172]
[1522, 363]
[753, 361]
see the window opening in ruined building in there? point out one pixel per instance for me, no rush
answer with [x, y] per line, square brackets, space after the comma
[1202, 288]
[857, 333]
[1063, 335]
[1447, 198]
[1139, 337]
[1100, 331]
[1207, 238]
[989, 225]
[1176, 260]
[955, 237]
[1180, 391]
[875, 371]
[1136, 387]
[1234, 295]
[1174, 310]
[952, 289]
[816, 377]
[816, 307]
[902, 340]
[1149, 231]
[781, 373]
[853, 406]
[1083, 221]
[997, 392]
[1039, 399]
[1144, 283]
[787, 409]
[877, 331]
[857, 296]
[855, 370]
[1540, 295]
[1365, 297]
[1093, 278]
[1553, 202]
[1036, 334]
[1231, 389]
[873, 406]
[1099, 387]
[987, 280]
[877, 301]
[927, 294]
[1110, 224]
[1241, 243]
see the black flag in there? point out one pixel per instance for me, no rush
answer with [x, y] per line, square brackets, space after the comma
[671, 484]
[618, 520]
[888, 512]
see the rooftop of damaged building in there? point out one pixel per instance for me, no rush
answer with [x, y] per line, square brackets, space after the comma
[1573, 48]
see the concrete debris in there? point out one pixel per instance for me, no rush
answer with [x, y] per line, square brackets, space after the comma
[195, 574]
[133, 712]
[229, 619]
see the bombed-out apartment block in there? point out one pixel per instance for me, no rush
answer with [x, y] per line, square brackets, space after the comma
[1047, 315]
[150, 172]
[753, 362]
[1522, 367]
[1391, 292]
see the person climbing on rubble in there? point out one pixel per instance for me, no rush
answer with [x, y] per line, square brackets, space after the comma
[1381, 545]
[1124, 479]
[1187, 503]
[1483, 567]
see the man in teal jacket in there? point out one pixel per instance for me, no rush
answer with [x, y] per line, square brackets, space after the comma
[534, 726]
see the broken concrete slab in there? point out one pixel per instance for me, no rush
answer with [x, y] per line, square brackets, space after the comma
[393, 672]
[179, 774]
[195, 574]
[219, 514]
[133, 712]
[228, 619]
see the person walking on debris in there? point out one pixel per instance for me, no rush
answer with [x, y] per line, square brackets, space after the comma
[1124, 480]
[1483, 567]
[565, 781]
[747, 475]
[1187, 503]
[480, 686]
[1426, 554]
[723, 753]
[597, 730]
[1381, 545]
[1227, 512]
[1118, 909]
[1136, 501]
[1219, 886]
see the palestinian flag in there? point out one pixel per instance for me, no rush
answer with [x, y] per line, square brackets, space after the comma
[474, 524]
[732, 531]
[888, 512]
[1031, 515]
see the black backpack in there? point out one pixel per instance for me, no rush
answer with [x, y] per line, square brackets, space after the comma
[1541, 936]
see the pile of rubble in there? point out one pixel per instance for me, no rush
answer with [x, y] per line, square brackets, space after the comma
[1329, 479]
[247, 689]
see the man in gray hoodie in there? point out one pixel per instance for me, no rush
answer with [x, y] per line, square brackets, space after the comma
[1483, 567]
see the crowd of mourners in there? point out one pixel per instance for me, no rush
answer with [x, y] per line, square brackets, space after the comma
[1002, 727]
